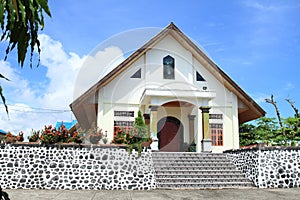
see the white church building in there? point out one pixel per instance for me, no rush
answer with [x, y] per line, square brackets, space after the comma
[184, 96]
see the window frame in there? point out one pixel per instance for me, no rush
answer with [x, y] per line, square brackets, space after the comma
[216, 134]
[170, 66]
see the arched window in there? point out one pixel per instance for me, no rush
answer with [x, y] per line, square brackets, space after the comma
[169, 66]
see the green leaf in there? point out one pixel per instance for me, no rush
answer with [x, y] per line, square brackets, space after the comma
[3, 100]
[22, 49]
[2, 9]
[1, 76]
[44, 5]
[20, 22]
[5, 195]
[23, 12]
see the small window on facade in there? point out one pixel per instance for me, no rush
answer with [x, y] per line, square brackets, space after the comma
[215, 116]
[124, 123]
[199, 77]
[137, 74]
[216, 133]
[169, 66]
[124, 113]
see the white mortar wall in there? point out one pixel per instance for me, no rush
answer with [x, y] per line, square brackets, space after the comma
[274, 167]
[75, 168]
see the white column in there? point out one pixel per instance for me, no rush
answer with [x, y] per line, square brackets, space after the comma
[153, 127]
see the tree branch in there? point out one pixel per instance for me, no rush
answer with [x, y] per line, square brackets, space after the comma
[271, 101]
[293, 106]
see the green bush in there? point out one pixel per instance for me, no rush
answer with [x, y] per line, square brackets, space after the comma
[134, 136]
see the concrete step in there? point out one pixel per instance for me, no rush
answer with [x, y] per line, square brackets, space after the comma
[215, 185]
[192, 164]
[201, 180]
[196, 170]
[203, 175]
[201, 168]
[188, 172]
[187, 156]
[211, 160]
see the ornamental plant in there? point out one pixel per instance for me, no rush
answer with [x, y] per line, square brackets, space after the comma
[20, 137]
[62, 134]
[94, 135]
[74, 138]
[34, 137]
[49, 135]
[10, 138]
[133, 137]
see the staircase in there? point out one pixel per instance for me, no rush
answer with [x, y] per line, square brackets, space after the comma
[182, 170]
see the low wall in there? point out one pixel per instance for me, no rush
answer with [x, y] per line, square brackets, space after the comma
[74, 167]
[269, 167]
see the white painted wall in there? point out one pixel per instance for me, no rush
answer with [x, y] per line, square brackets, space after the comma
[124, 93]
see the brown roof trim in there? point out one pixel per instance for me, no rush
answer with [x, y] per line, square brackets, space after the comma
[174, 31]
[122, 66]
[244, 97]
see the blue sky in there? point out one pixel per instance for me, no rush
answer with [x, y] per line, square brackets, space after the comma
[257, 43]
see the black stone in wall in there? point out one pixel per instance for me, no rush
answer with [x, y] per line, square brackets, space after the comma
[31, 167]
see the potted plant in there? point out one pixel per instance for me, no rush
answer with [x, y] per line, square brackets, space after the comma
[10, 138]
[20, 137]
[94, 135]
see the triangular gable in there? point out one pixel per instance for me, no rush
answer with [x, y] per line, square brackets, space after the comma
[253, 110]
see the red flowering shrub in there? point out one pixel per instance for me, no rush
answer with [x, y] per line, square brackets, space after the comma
[51, 136]
[10, 138]
[74, 137]
[35, 136]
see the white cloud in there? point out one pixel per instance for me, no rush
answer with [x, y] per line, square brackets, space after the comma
[96, 67]
[273, 6]
[18, 86]
[260, 97]
[62, 71]
[289, 86]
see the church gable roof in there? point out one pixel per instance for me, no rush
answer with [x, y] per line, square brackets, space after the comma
[253, 110]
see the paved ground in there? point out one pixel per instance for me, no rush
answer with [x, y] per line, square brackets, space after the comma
[224, 194]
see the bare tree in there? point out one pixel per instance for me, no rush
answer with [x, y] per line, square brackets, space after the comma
[294, 107]
[271, 101]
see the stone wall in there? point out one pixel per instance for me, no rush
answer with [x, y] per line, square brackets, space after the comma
[269, 167]
[74, 167]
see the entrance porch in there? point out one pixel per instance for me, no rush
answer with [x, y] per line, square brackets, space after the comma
[176, 125]
[178, 118]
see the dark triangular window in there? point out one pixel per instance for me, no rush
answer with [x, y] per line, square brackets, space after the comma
[199, 77]
[137, 74]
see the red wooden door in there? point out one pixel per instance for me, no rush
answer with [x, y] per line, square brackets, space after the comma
[169, 135]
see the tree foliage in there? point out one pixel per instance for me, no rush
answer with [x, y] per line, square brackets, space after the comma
[3, 195]
[247, 134]
[268, 130]
[20, 22]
